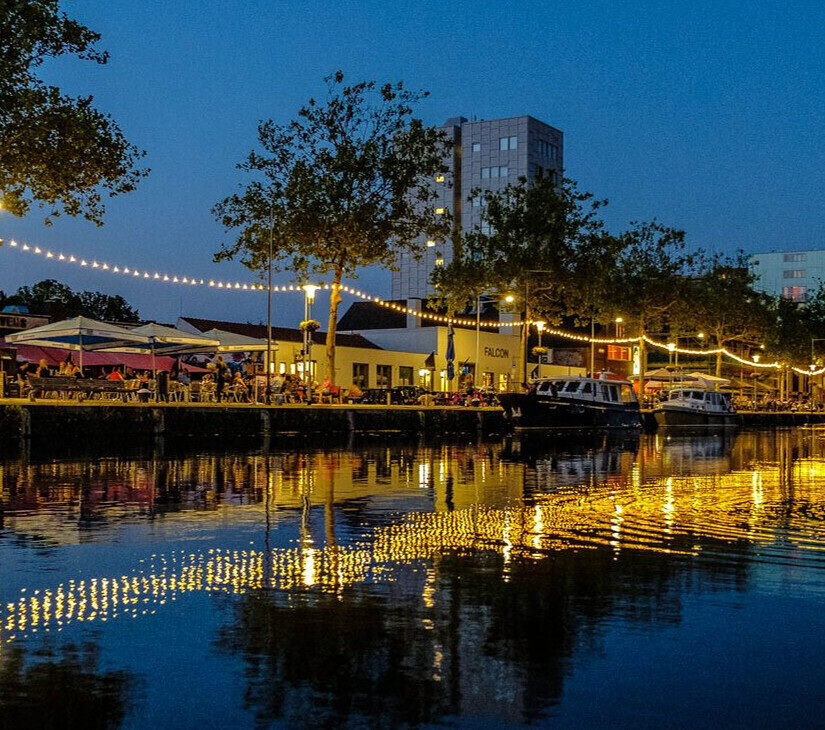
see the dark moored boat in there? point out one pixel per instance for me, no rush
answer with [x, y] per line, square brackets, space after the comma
[573, 402]
[695, 406]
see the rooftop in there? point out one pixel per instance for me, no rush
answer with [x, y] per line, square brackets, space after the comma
[279, 334]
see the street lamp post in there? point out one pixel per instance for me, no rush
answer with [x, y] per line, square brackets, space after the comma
[540, 328]
[309, 298]
[525, 330]
[269, 308]
[813, 360]
[756, 358]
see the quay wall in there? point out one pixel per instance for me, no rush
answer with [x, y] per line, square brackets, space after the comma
[99, 421]
[91, 422]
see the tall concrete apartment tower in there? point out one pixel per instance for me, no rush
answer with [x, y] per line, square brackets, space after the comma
[487, 154]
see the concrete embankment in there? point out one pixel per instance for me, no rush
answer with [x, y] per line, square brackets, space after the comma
[93, 421]
[90, 422]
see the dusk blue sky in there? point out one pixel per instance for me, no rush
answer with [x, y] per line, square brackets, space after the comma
[705, 115]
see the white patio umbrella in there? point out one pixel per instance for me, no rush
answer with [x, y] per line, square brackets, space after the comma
[233, 342]
[79, 334]
[709, 381]
[163, 340]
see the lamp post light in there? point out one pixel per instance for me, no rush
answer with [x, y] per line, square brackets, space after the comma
[619, 327]
[309, 298]
[540, 325]
[756, 357]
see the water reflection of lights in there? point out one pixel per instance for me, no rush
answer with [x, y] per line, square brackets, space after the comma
[634, 504]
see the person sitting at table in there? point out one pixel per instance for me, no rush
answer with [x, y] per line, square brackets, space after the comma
[183, 377]
[354, 393]
[144, 387]
[42, 370]
[114, 375]
[62, 370]
[73, 371]
[239, 387]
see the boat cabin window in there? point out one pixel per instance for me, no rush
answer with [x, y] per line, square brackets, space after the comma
[610, 393]
[545, 387]
[626, 394]
[587, 387]
[697, 395]
[571, 387]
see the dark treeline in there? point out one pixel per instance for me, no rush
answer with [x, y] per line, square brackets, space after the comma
[546, 244]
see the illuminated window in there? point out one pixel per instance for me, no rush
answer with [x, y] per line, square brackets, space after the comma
[439, 177]
[360, 374]
[383, 376]
[430, 243]
[795, 293]
[440, 211]
[439, 259]
[405, 375]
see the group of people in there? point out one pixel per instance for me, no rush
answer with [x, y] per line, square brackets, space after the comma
[67, 369]
[238, 381]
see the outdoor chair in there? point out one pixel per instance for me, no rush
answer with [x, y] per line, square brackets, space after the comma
[208, 392]
[239, 394]
[333, 395]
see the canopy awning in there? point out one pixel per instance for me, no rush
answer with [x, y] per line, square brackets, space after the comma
[54, 356]
[233, 342]
[78, 333]
[163, 340]
[709, 380]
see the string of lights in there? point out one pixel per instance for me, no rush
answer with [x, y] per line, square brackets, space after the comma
[239, 286]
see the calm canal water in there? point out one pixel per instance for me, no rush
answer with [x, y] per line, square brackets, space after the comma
[625, 583]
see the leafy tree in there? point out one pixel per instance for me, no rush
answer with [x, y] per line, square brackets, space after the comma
[815, 317]
[533, 238]
[649, 277]
[57, 150]
[721, 301]
[335, 186]
[60, 302]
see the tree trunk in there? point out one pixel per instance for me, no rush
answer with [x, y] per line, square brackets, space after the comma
[332, 326]
[718, 364]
